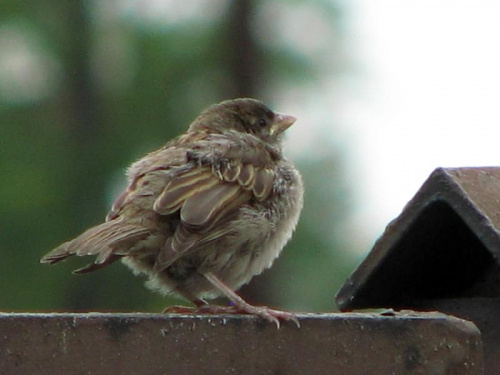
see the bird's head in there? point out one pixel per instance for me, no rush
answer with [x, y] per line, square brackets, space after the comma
[244, 115]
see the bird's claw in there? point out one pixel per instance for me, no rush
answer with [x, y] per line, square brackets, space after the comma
[264, 312]
[271, 315]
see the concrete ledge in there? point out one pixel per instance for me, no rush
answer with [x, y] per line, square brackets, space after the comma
[98, 343]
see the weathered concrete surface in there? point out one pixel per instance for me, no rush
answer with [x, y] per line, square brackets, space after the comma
[338, 344]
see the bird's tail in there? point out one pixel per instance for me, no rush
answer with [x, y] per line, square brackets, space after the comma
[108, 242]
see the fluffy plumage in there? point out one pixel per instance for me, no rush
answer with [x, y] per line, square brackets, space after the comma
[205, 213]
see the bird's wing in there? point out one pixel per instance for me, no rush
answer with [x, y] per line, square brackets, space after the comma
[117, 236]
[206, 196]
[148, 176]
[203, 190]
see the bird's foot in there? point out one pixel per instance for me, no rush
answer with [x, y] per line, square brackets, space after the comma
[179, 310]
[269, 314]
[264, 312]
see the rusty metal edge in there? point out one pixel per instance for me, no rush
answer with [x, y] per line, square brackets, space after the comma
[335, 338]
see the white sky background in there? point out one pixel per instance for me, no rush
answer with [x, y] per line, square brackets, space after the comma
[428, 95]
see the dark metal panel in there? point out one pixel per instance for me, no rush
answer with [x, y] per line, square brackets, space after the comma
[179, 344]
[445, 244]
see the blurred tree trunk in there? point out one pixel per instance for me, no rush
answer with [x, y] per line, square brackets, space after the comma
[243, 53]
[81, 108]
[83, 102]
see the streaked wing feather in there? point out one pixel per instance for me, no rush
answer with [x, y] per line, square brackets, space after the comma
[239, 199]
[263, 184]
[247, 175]
[94, 240]
[118, 204]
[58, 254]
[97, 264]
[181, 188]
[230, 172]
[205, 199]
[199, 208]
[109, 241]
[165, 257]
[169, 255]
[183, 239]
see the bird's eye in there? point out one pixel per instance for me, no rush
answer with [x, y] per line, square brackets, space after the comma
[262, 122]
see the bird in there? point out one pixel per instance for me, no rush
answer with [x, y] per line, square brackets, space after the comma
[204, 214]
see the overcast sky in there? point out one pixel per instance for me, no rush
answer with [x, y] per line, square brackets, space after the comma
[428, 95]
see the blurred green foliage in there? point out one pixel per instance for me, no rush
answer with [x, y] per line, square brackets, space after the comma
[87, 87]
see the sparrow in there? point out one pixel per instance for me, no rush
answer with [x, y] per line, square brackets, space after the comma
[206, 212]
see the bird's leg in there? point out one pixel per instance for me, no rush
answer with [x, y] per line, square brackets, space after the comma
[240, 306]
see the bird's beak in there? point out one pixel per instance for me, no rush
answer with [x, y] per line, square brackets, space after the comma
[281, 123]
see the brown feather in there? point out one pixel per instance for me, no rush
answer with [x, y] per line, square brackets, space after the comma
[197, 237]
[105, 261]
[198, 209]
[58, 254]
[165, 256]
[170, 252]
[203, 200]
[109, 234]
[108, 241]
[263, 184]
[182, 187]
[246, 176]
[119, 202]
[183, 239]
[230, 172]
[239, 199]
[187, 239]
